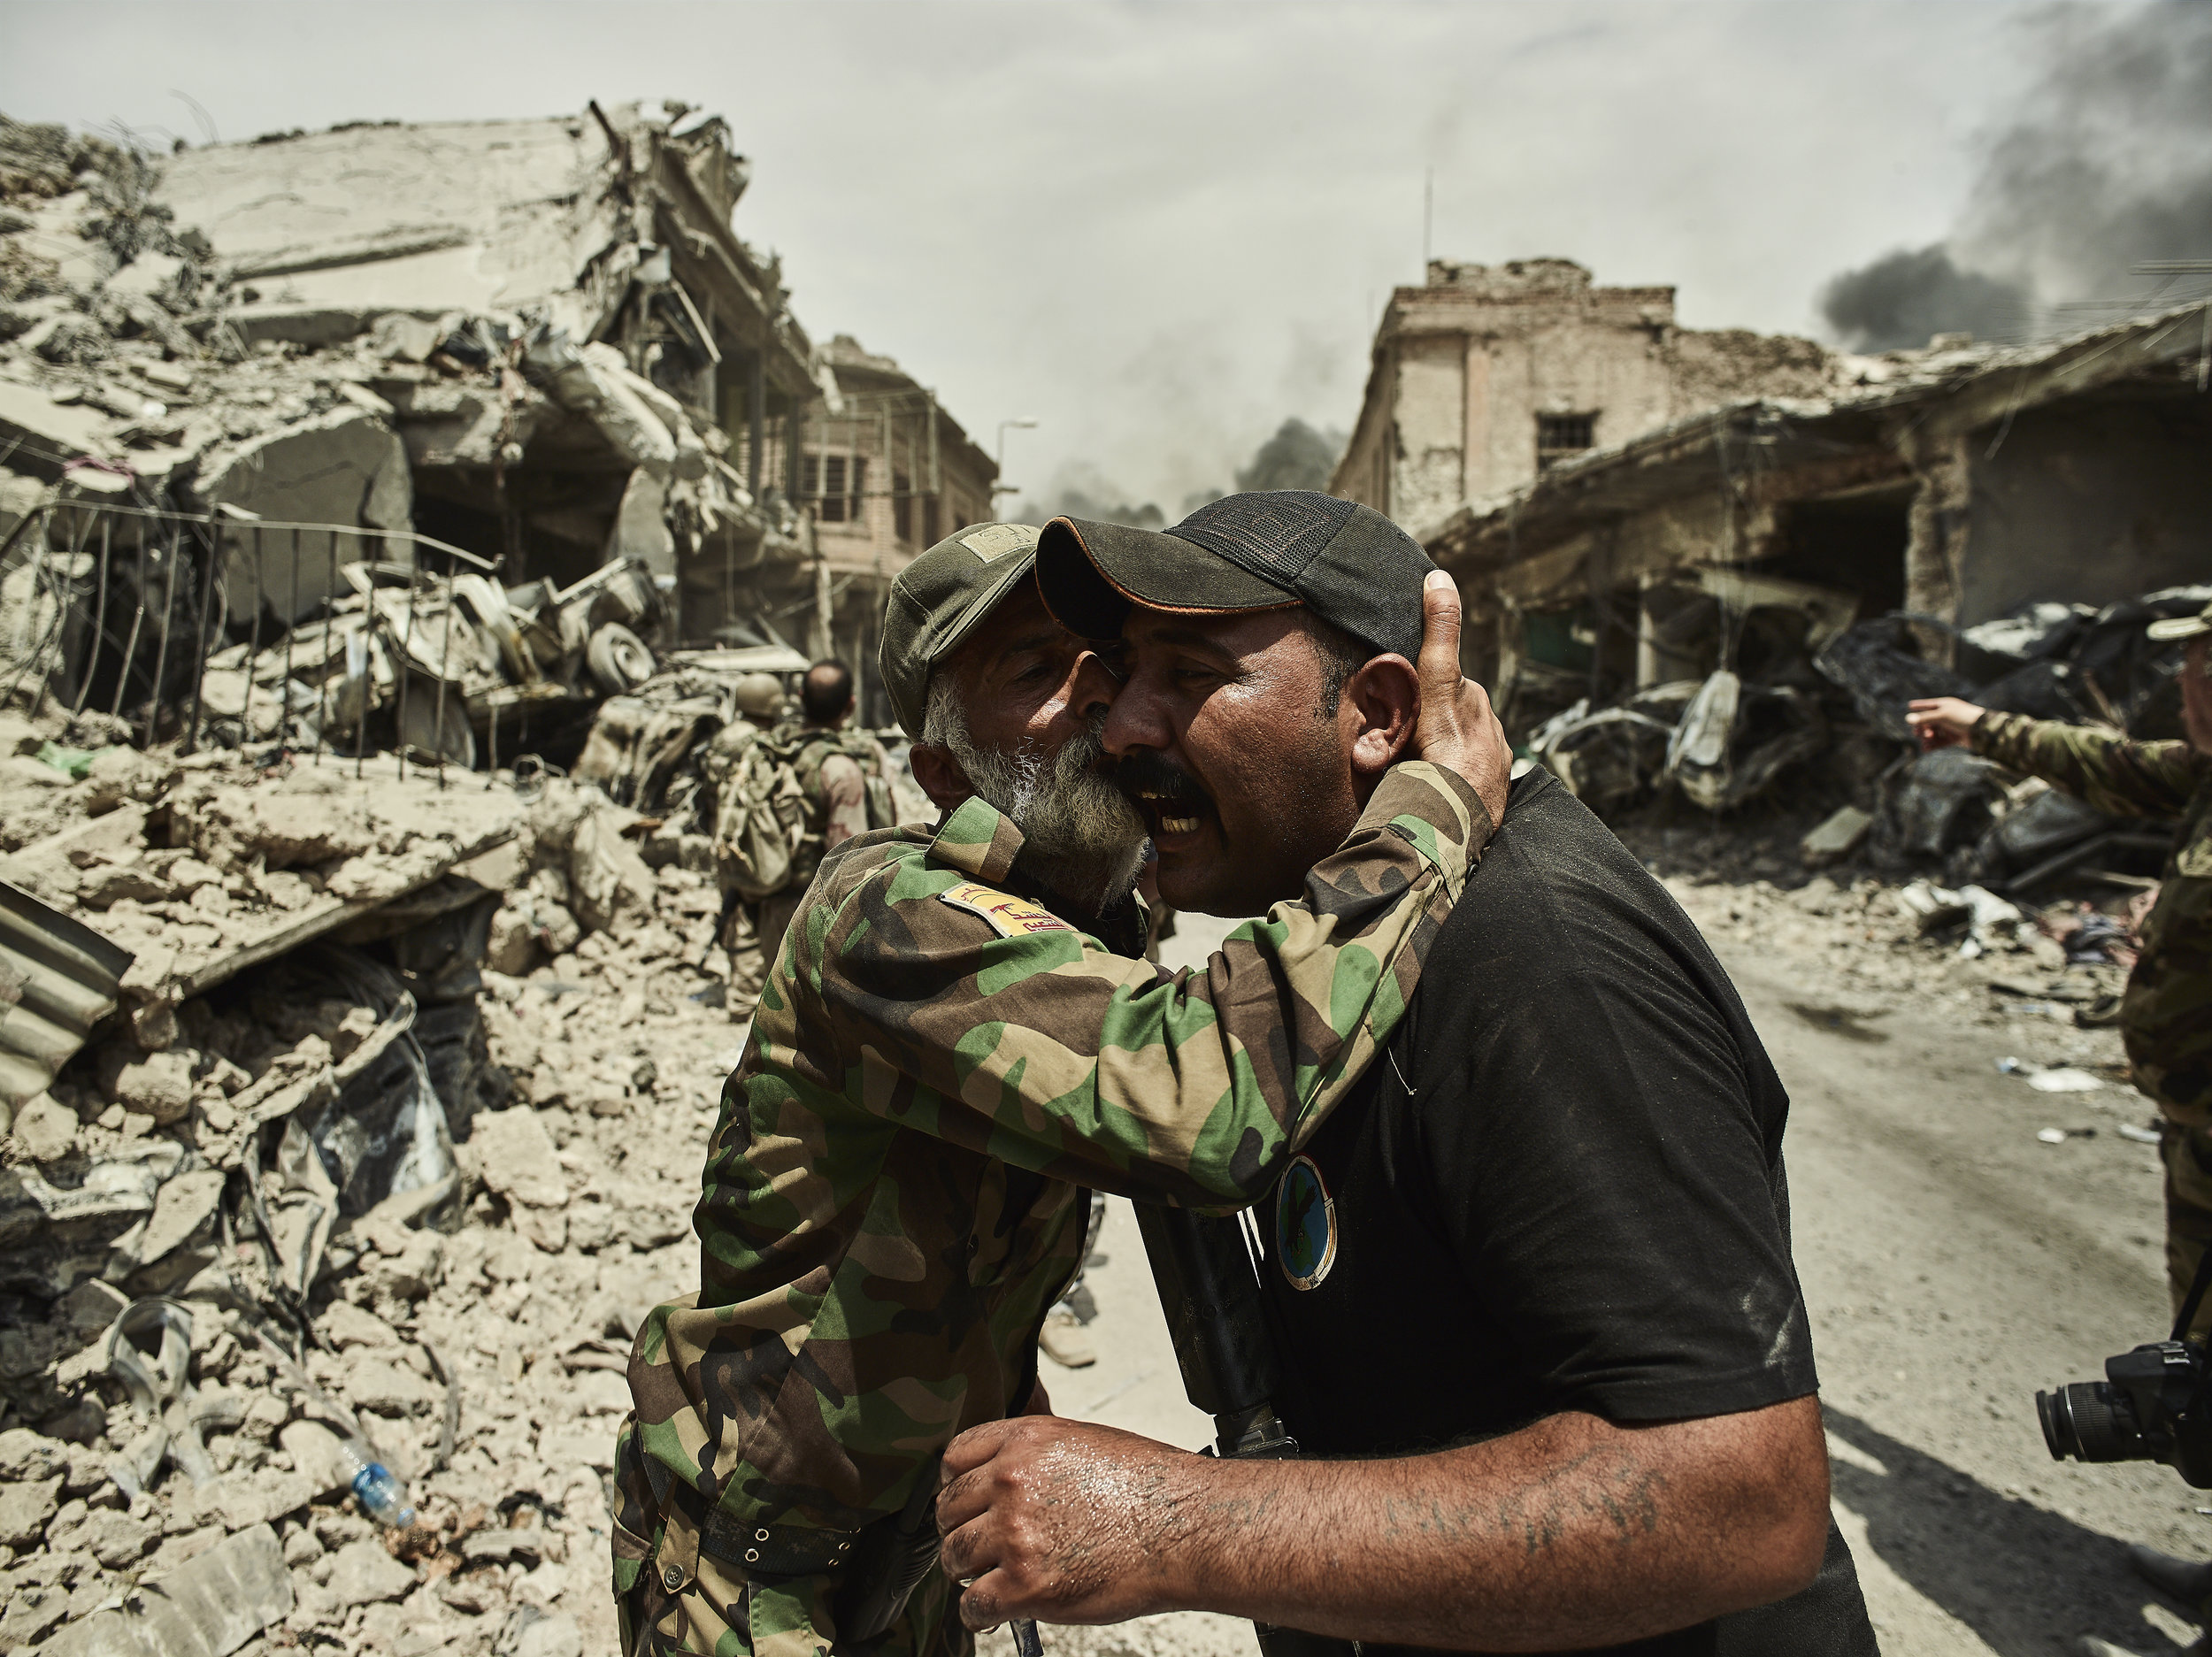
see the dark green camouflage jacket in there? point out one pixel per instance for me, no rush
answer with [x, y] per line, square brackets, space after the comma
[892, 1191]
[2166, 1015]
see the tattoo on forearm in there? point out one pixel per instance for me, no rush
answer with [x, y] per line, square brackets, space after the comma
[1626, 1491]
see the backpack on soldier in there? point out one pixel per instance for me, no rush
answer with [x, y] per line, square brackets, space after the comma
[760, 823]
[883, 810]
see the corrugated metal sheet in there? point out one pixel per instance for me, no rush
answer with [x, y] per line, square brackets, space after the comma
[57, 978]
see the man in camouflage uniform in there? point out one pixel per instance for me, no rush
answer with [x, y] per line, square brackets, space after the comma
[962, 1035]
[840, 774]
[2166, 1014]
[756, 708]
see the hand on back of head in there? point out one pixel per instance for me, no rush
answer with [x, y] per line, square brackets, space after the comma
[1457, 728]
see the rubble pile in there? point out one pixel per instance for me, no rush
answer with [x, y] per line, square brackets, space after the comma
[1812, 713]
[391, 1191]
[293, 475]
[2050, 974]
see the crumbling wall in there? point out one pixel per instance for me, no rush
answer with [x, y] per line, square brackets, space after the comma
[1710, 368]
[1531, 339]
[1431, 465]
[347, 466]
[2090, 502]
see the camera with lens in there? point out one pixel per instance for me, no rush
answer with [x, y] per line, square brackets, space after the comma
[2154, 1405]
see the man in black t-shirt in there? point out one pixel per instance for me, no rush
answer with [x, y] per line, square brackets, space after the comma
[1530, 1281]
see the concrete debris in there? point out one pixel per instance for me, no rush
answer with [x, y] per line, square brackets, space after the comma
[1813, 715]
[207, 1607]
[1838, 836]
[250, 391]
[331, 1175]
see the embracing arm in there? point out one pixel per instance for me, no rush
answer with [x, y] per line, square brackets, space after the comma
[1573, 1532]
[980, 1019]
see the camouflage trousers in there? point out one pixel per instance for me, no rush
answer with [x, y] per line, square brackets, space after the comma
[719, 1612]
[2187, 1153]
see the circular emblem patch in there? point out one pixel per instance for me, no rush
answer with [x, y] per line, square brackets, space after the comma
[1305, 1225]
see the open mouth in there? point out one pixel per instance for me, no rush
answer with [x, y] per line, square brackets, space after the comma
[1170, 802]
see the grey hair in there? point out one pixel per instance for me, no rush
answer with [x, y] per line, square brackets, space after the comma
[1084, 838]
[944, 716]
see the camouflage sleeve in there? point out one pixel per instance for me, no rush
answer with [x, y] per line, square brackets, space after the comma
[844, 800]
[989, 1023]
[2166, 1014]
[2118, 777]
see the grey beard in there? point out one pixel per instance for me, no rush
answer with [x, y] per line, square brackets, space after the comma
[1080, 836]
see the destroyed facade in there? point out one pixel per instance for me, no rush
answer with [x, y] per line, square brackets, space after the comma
[1716, 566]
[1486, 375]
[354, 1061]
[537, 343]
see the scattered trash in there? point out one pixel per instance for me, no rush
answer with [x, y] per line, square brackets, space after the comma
[2065, 1079]
[1983, 919]
[381, 1493]
[2052, 1136]
[1800, 691]
[2099, 938]
[2141, 1136]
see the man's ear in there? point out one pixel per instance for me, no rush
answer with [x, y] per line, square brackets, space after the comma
[1380, 703]
[938, 774]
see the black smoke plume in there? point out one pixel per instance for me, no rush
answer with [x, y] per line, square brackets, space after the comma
[1905, 296]
[1297, 458]
[2105, 165]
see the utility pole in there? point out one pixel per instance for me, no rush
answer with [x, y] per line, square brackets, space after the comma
[1428, 221]
[999, 486]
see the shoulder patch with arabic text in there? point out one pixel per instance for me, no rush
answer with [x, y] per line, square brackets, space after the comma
[1011, 917]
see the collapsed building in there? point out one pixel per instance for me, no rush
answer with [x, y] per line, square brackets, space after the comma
[888, 472]
[1955, 484]
[1485, 376]
[350, 1102]
[537, 348]
[1710, 564]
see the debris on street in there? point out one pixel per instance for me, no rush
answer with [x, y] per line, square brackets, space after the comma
[352, 1206]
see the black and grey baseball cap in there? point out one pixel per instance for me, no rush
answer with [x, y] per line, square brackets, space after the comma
[1348, 563]
[937, 601]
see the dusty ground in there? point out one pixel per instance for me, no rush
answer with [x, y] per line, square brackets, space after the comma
[1953, 1261]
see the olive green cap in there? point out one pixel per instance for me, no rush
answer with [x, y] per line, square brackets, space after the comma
[938, 601]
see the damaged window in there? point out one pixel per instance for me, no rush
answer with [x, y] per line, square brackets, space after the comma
[1561, 435]
[835, 483]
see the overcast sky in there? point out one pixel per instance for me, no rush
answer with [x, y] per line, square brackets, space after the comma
[1161, 229]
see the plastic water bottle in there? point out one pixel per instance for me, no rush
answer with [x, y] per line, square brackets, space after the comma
[381, 1493]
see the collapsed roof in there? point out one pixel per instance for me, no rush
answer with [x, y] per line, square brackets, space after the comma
[538, 340]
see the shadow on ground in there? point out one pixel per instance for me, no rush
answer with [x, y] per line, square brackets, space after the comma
[2026, 1581]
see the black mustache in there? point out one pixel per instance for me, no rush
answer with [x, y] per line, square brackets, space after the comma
[1145, 770]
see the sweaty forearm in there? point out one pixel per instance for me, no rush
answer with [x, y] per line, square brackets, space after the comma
[1569, 1534]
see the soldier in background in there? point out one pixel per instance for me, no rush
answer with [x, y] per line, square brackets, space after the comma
[2166, 1014]
[961, 1037]
[756, 703]
[844, 777]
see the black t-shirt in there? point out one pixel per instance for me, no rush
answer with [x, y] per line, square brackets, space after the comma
[1561, 1188]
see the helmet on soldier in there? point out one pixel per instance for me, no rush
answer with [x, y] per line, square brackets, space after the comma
[759, 696]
